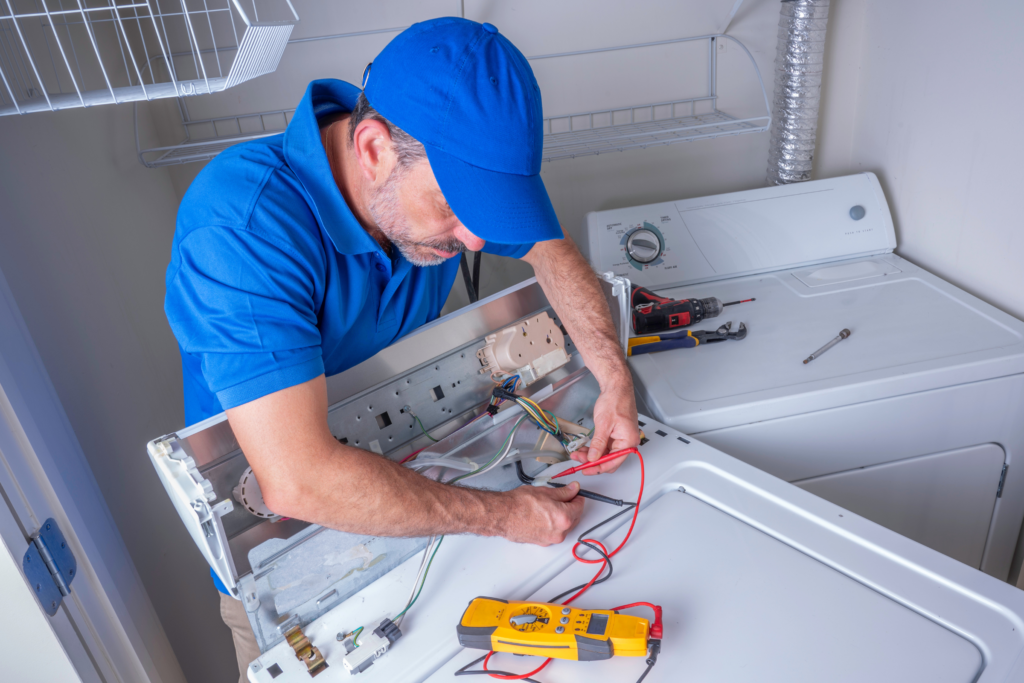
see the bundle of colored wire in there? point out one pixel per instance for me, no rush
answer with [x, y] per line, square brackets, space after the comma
[543, 418]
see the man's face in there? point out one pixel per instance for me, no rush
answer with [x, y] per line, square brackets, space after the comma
[411, 211]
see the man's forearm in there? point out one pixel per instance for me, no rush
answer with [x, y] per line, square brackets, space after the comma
[577, 297]
[357, 491]
[306, 474]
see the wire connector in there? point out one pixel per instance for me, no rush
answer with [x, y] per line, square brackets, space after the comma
[503, 395]
[372, 647]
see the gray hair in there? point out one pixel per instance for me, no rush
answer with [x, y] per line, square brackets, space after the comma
[408, 149]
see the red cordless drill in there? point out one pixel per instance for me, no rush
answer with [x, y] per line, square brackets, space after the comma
[653, 313]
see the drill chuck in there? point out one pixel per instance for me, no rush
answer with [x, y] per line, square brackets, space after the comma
[712, 307]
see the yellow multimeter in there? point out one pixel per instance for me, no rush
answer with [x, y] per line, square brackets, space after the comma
[551, 630]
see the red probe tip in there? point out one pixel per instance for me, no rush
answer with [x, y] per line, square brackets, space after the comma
[600, 461]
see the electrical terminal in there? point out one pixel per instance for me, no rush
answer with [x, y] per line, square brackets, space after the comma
[577, 442]
[372, 646]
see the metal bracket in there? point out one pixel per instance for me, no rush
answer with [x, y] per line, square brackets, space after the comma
[50, 566]
[305, 652]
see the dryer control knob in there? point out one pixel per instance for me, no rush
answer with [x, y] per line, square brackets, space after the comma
[644, 246]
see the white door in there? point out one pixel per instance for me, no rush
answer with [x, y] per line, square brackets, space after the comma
[104, 627]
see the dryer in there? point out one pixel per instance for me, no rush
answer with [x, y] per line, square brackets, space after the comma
[914, 421]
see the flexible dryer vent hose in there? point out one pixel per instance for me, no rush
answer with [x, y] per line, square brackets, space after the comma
[798, 67]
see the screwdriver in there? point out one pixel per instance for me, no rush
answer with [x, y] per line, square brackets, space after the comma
[842, 335]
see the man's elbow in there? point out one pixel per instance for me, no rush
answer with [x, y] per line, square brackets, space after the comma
[285, 498]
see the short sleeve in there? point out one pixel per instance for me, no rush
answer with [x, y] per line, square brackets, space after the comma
[510, 250]
[246, 307]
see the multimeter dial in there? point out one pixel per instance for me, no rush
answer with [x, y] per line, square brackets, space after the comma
[643, 245]
[530, 618]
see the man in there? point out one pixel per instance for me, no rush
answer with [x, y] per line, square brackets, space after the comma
[300, 255]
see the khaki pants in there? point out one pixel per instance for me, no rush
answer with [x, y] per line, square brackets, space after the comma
[246, 650]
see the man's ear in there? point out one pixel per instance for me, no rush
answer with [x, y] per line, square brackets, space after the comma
[373, 149]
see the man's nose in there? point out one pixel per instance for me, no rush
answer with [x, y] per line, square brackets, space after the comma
[472, 242]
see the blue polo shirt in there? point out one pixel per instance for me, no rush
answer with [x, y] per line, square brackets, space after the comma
[273, 281]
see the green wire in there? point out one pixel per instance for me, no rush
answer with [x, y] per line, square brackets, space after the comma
[496, 455]
[355, 636]
[424, 582]
[424, 429]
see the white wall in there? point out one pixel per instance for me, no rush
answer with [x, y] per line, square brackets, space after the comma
[927, 96]
[84, 241]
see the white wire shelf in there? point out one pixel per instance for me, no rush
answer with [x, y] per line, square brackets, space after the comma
[648, 125]
[59, 54]
[646, 132]
[565, 137]
[206, 138]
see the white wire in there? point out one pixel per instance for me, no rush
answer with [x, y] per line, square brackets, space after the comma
[419, 575]
[498, 461]
[455, 464]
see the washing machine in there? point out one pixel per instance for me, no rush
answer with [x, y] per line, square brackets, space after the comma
[913, 421]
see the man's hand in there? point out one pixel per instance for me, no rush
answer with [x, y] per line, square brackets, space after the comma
[615, 428]
[543, 516]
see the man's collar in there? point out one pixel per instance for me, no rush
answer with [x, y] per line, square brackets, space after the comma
[305, 154]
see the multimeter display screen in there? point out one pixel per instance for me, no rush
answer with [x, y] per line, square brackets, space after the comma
[597, 625]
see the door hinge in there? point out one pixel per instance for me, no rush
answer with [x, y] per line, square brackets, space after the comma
[50, 566]
[1002, 480]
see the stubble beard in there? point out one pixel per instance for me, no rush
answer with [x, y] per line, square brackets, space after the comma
[386, 211]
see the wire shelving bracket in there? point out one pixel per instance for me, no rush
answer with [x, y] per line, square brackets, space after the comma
[565, 137]
[59, 54]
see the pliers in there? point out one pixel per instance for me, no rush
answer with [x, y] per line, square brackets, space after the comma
[684, 339]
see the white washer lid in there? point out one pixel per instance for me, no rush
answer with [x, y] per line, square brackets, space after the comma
[760, 581]
[903, 321]
[740, 605]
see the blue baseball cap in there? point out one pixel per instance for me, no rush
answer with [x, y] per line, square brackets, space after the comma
[465, 92]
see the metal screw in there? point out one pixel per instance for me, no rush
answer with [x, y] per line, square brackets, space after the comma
[560, 629]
